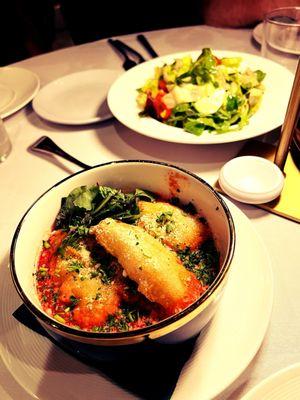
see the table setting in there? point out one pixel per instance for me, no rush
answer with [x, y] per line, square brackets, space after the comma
[70, 119]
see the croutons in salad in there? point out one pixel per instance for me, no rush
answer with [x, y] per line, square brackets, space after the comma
[209, 94]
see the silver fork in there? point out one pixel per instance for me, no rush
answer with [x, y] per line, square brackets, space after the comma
[145, 42]
[45, 145]
[123, 48]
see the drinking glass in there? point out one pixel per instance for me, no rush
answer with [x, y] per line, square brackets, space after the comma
[281, 38]
[5, 143]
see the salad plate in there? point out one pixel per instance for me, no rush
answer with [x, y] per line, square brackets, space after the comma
[33, 367]
[18, 86]
[269, 115]
[76, 99]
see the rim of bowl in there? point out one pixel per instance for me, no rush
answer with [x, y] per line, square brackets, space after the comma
[141, 331]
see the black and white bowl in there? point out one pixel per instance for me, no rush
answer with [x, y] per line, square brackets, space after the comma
[127, 175]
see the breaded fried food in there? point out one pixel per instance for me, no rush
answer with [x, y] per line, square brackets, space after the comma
[159, 274]
[172, 225]
[92, 300]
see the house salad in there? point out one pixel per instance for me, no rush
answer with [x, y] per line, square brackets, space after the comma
[208, 94]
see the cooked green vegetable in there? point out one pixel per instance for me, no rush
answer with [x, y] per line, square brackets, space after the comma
[121, 320]
[86, 206]
[209, 94]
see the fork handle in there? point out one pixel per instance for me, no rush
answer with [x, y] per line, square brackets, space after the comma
[46, 145]
[130, 50]
[144, 41]
[117, 46]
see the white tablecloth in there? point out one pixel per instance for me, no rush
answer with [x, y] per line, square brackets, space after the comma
[24, 176]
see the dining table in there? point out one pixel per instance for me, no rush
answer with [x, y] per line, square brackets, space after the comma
[37, 369]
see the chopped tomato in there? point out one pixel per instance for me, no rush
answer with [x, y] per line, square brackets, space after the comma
[157, 108]
[163, 85]
[218, 61]
[55, 241]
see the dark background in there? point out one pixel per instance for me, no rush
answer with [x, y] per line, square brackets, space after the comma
[32, 26]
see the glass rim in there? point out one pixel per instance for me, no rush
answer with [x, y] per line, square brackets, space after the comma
[271, 13]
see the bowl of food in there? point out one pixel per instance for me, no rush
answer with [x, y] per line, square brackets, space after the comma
[124, 252]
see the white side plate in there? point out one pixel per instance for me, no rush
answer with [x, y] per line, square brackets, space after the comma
[76, 99]
[18, 86]
[283, 385]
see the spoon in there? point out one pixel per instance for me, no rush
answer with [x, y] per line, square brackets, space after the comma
[45, 145]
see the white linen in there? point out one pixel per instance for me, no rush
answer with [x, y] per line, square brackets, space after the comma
[24, 176]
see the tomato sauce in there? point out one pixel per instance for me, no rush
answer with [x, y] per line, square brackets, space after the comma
[62, 296]
[83, 286]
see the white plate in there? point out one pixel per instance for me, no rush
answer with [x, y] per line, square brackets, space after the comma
[18, 86]
[122, 101]
[76, 99]
[283, 385]
[257, 33]
[223, 350]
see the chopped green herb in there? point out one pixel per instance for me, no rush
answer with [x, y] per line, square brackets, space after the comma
[73, 302]
[164, 217]
[42, 274]
[96, 328]
[203, 262]
[107, 275]
[94, 274]
[130, 314]
[117, 321]
[75, 266]
[98, 296]
[121, 320]
[169, 227]
[71, 240]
